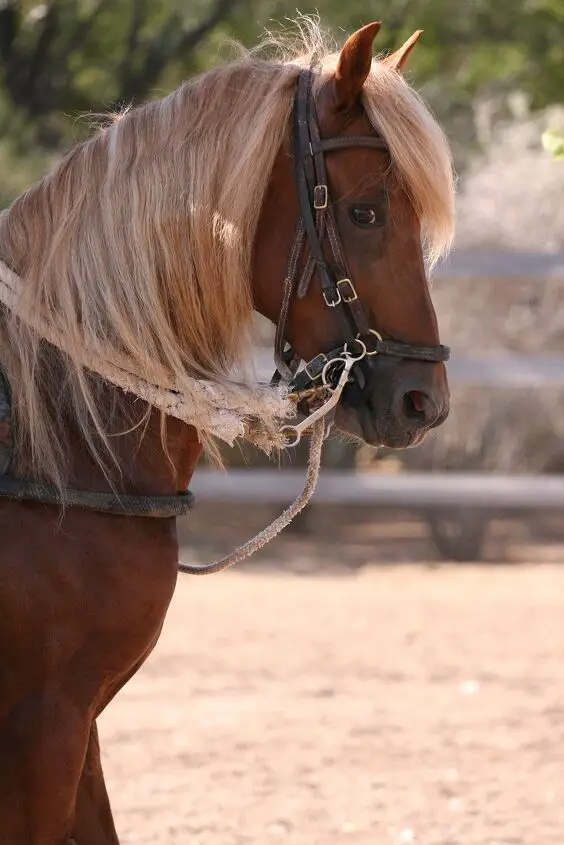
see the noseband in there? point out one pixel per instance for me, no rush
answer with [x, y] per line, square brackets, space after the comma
[317, 223]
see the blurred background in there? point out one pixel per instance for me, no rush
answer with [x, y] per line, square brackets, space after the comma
[493, 73]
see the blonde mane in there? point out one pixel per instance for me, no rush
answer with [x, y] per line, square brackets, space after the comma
[138, 246]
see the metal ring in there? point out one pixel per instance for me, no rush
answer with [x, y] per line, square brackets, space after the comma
[364, 350]
[290, 435]
[330, 364]
[378, 336]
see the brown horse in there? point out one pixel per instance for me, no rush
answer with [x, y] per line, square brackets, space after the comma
[152, 243]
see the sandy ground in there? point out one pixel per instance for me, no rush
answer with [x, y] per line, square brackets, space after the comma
[393, 705]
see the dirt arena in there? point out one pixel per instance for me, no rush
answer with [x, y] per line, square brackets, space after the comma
[394, 705]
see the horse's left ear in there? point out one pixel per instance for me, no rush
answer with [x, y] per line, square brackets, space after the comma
[398, 60]
[354, 65]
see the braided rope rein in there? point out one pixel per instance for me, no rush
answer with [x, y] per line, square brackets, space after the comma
[227, 411]
[279, 523]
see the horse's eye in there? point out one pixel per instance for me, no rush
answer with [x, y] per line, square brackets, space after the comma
[365, 216]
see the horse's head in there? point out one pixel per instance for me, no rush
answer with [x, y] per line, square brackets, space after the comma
[367, 171]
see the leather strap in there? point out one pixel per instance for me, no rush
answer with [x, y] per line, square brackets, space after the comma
[375, 346]
[399, 349]
[327, 145]
[162, 507]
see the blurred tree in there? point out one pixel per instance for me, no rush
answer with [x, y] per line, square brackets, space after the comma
[75, 55]
[472, 44]
[61, 58]
[64, 56]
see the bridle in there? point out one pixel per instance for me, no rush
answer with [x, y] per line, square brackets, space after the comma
[317, 223]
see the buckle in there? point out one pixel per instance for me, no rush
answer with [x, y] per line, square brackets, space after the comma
[314, 368]
[332, 302]
[320, 197]
[352, 294]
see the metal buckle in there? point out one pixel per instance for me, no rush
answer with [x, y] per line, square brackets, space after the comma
[352, 296]
[320, 197]
[322, 359]
[333, 302]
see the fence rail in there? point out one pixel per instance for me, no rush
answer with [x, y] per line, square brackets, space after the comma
[507, 265]
[404, 490]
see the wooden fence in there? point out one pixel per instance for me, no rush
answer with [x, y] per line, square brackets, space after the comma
[425, 490]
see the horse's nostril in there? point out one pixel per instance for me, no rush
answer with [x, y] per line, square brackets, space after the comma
[419, 407]
[418, 400]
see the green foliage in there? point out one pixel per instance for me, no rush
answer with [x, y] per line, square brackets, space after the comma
[61, 58]
[22, 160]
[553, 142]
[20, 168]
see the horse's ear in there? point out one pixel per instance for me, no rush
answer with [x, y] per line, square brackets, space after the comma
[398, 60]
[354, 65]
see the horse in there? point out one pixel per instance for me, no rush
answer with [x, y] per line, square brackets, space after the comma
[312, 186]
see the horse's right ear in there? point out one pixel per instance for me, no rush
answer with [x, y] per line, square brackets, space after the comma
[398, 60]
[354, 66]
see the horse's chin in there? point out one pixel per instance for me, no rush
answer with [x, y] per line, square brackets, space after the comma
[378, 431]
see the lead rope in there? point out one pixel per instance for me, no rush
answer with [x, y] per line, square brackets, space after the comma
[277, 525]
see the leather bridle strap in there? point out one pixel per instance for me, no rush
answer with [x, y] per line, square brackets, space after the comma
[327, 145]
[313, 194]
[377, 346]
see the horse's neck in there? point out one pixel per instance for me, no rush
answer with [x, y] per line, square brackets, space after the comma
[146, 469]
